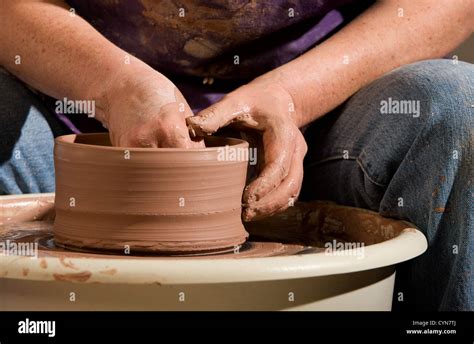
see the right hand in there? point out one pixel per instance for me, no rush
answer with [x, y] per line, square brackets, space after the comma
[146, 109]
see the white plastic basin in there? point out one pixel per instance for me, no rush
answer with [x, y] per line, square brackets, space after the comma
[308, 280]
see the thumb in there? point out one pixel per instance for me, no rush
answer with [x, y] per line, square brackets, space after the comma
[209, 120]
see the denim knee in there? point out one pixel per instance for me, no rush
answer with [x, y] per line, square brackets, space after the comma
[444, 87]
[428, 102]
[26, 140]
[447, 90]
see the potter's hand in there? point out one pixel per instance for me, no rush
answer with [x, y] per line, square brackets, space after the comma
[147, 110]
[265, 107]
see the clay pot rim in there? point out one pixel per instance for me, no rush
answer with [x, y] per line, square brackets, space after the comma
[67, 140]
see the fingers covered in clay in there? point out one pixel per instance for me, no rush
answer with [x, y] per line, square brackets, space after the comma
[278, 141]
[285, 194]
[168, 130]
[172, 131]
[149, 111]
[219, 115]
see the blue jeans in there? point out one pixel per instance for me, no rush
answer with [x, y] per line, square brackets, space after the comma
[401, 146]
[27, 131]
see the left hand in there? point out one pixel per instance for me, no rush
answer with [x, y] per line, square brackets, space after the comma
[265, 107]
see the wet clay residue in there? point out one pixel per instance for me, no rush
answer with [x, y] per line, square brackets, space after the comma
[110, 272]
[317, 223]
[410, 230]
[26, 209]
[73, 277]
[442, 179]
[67, 264]
[150, 199]
[43, 263]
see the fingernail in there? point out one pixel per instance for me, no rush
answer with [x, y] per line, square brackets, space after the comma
[192, 132]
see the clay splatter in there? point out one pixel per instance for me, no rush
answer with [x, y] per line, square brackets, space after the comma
[73, 277]
[43, 263]
[66, 264]
[109, 272]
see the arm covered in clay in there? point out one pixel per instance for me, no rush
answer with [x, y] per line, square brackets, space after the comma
[57, 52]
[389, 34]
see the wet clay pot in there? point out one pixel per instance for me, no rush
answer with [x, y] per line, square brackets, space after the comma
[149, 199]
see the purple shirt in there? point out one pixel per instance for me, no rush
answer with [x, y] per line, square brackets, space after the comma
[229, 41]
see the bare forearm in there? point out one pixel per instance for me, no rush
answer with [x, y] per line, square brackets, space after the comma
[59, 53]
[376, 42]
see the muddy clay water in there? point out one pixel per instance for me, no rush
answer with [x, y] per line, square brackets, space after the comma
[41, 234]
[302, 229]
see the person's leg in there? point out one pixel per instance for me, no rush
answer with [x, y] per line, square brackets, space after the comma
[409, 165]
[26, 139]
